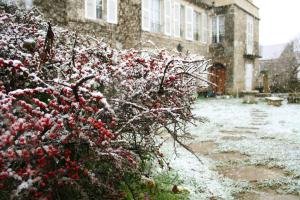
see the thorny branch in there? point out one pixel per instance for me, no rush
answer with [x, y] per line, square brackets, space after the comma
[103, 96]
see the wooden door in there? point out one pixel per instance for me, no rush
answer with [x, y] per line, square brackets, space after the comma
[218, 79]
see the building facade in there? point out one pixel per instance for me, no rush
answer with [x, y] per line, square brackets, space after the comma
[225, 31]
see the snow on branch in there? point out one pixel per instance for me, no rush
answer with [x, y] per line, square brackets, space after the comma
[67, 106]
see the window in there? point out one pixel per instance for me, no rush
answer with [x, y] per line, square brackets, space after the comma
[249, 34]
[155, 22]
[99, 9]
[146, 15]
[112, 11]
[151, 15]
[197, 26]
[168, 17]
[204, 28]
[189, 23]
[94, 9]
[218, 29]
[177, 20]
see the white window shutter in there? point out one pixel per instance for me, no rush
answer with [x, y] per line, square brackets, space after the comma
[155, 16]
[177, 15]
[112, 11]
[90, 9]
[249, 34]
[189, 23]
[168, 17]
[209, 30]
[252, 35]
[146, 15]
[172, 17]
[204, 27]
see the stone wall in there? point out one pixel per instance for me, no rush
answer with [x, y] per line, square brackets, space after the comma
[54, 9]
[239, 50]
[171, 43]
[223, 53]
[71, 13]
[129, 27]
[240, 60]
[245, 5]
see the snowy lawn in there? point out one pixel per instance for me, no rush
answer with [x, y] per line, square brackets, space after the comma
[250, 149]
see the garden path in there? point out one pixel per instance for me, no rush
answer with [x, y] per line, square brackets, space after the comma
[248, 152]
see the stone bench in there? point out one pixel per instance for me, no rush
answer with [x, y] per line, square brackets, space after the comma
[263, 95]
[274, 101]
[249, 97]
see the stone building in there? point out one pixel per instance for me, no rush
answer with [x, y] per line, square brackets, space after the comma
[225, 31]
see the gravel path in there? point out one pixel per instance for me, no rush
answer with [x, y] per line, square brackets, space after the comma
[248, 152]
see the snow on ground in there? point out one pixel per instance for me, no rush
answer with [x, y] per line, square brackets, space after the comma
[269, 135]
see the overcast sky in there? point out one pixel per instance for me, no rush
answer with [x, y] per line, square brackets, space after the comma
[280, 20]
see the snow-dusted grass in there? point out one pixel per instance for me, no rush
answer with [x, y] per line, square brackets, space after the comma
[275, 143]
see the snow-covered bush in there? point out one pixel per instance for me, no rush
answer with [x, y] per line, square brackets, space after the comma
[75, 113]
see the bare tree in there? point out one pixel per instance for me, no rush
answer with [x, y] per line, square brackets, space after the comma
[283, 72]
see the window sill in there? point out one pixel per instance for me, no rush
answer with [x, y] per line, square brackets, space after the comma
[216, 45]
[98, 21]
[171, 37]
[251, 56]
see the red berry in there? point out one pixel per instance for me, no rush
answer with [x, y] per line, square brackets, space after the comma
[42, 184]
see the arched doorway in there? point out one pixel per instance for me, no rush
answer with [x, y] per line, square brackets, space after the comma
[219, 78]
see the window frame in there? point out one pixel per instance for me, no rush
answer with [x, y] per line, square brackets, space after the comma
[101, 6]
[250, 34]
[205, 28]
[109, 10]
[168, 18]
[87, 16]
[189, 35]
[182, 21]
[148, 16]
[112, 19]
[197, 26]
[177, 19]
[216, 29]
[155, 18]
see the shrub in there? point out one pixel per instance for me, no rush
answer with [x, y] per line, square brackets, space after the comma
[76, 116]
